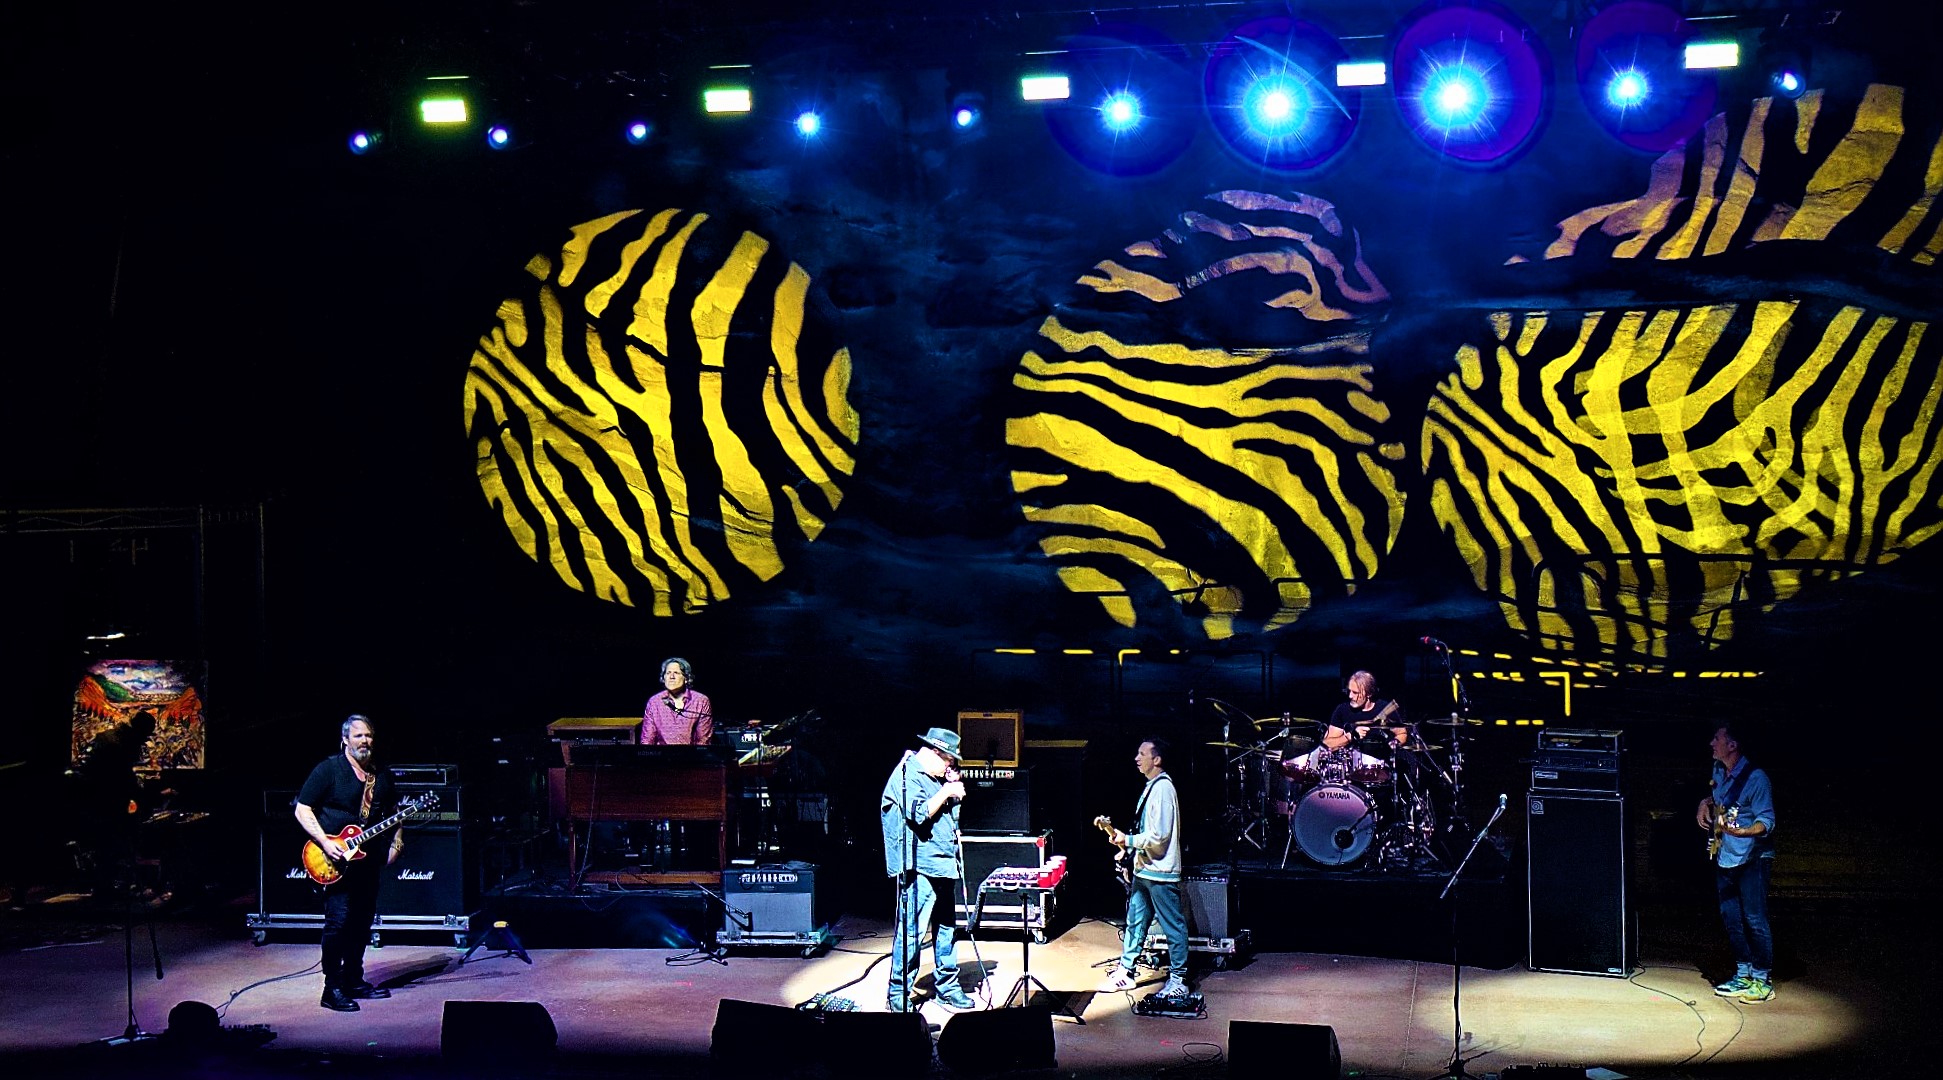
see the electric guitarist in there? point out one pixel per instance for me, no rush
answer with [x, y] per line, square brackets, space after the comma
[349, 788]
[1154, 893]
[1738, 813]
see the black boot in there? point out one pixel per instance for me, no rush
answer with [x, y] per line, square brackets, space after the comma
[337, 1000]
[366, 992]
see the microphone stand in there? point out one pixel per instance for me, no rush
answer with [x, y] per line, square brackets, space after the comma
[1455, 1070]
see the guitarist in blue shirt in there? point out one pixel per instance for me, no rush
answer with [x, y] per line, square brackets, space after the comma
[1155, 894]
[1739, 811]
[349, 788]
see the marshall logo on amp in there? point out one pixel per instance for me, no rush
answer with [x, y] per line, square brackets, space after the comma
[416, 875]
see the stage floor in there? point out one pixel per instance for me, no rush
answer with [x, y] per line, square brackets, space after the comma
[1849, 1001]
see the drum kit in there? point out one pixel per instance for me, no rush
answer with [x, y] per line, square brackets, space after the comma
[1383, 800]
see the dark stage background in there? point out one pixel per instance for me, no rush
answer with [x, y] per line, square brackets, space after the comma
[215, 306]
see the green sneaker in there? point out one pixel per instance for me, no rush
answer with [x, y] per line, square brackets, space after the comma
[1757, 990]
[1734, 987]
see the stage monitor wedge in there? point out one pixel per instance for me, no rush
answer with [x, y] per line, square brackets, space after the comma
[991, 738]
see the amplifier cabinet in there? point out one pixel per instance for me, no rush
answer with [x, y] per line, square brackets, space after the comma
[1561, 778]
[1580, 916]
[998, 800]
[428, 884]
[777, 904]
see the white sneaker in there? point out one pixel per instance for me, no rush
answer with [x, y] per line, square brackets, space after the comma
[1119, 982]
[1175, 990]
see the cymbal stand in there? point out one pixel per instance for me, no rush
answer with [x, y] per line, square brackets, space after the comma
[1240, 808]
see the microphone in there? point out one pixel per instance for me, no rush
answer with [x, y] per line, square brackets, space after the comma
[1501, 801]
[1435, 644]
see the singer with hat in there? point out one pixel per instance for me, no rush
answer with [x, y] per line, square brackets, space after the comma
[678, 714]
[920, 818]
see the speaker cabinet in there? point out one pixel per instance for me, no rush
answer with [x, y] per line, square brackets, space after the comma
[1576, 878]
[429, 877]
[876, 1044]
[1257, 1049]
[749, 1036]
[492, 1033]
[997, 800]
[1206, 897]
[772, 902]
[998, 1040]
[755, 1039]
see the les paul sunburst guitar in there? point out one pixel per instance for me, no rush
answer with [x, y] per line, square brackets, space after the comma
[1723, 819]
[324, 870]
[1122, 857]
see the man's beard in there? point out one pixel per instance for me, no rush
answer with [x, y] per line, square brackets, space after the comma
[362, 753]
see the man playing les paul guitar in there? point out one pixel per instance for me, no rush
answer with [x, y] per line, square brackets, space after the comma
[1152, 876]
[349, 788]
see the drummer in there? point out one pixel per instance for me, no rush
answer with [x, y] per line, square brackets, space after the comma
[1364, 711]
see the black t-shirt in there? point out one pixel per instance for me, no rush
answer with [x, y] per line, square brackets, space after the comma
[334, 792]
[1347, 716]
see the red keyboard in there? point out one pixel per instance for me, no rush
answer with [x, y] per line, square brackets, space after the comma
[1028, 877]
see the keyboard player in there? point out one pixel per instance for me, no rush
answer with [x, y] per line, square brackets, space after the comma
[677, 714]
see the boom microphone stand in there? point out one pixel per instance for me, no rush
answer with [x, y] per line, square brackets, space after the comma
[1455, 1071]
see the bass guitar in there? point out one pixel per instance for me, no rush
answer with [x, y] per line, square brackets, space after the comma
[324, 870]
[1722, 819]
[1122, 856]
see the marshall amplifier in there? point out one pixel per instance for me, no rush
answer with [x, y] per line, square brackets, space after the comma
[426, 889]
[776, 904]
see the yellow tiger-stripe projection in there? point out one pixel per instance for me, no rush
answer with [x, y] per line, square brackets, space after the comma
[1711, 195]
[1623, 479]
[1233, 480]
[663, 412]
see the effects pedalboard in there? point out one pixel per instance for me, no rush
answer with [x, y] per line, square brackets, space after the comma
[828, 1003]
[1193, 1007]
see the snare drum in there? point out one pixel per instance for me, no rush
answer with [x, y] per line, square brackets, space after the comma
[1371, 776]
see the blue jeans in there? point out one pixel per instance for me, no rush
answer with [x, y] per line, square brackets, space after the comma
[1743, 893]
[924, 903]
[1149, 902]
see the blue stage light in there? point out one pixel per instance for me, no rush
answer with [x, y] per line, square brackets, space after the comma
[965, 117]
[1472, 81]
[1276, 106]
[1627, 89]
[499, 137]
[808, 124]
[638, 132]
[363, 142]
[1456, 96]
[1120, 112]
[1788, 83]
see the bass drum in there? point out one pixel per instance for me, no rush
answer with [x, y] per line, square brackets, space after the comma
[1334, 824]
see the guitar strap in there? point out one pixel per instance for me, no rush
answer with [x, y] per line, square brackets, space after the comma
[364, 803]
[1733, 792]
[1140, 811]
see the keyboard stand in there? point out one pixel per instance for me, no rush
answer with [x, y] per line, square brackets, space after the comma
[1055, 1003]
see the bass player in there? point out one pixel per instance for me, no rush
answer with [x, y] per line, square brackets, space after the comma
[1155, 892]
[349, 788]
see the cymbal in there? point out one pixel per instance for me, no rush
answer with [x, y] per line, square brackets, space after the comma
[1451, 722]
[1226, 709]
[1295, 744]
[1293, 721]
[1233, 746]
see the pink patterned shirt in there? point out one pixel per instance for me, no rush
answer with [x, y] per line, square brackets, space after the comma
[692, 724]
